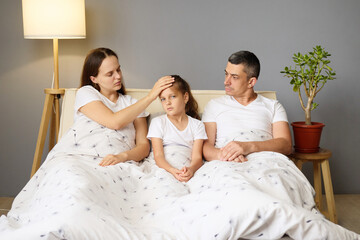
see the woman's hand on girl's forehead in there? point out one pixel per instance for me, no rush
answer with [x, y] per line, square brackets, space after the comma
[160, 85]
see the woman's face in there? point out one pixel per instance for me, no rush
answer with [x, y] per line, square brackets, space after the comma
[109, 77]
[173, 101]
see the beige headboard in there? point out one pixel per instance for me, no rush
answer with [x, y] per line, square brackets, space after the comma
[201, 96]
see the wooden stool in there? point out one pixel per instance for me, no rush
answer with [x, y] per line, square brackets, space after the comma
[320, 162]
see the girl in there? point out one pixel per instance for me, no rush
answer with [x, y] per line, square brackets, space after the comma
[179, 126]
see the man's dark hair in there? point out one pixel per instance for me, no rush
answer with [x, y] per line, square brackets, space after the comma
[249, 60]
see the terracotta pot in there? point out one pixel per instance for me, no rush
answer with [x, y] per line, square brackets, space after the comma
[307, 137]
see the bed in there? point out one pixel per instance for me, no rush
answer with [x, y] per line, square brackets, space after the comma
[71, 197]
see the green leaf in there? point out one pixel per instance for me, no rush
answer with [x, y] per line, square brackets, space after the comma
[296, 88]
[330, 69]
[314, 105]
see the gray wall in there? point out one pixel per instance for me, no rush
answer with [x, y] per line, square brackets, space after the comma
[193, 39]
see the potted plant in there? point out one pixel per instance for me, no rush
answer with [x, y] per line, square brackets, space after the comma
[309, 75]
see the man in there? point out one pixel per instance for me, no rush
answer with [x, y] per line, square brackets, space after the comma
[242, 109]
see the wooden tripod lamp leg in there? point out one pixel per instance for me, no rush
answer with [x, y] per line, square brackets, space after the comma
[45, 118]
[52, 129]
[55, 122]
[57, 116]
[51, 99]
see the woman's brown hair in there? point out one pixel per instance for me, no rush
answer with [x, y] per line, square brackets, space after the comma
[191, 108]
[92, 64]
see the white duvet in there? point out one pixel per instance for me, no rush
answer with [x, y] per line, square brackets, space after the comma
[71, 197]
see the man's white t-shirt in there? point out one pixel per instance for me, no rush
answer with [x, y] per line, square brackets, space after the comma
[230, 116]
[87, 94]
[162, 127]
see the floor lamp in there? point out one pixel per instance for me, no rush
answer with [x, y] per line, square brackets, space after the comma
[52, 19]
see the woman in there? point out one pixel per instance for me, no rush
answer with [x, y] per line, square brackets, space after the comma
[102, 98]
[71, 196]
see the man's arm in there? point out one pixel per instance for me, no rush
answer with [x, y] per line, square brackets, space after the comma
[281, 132]
[280, 143]
[209, 150]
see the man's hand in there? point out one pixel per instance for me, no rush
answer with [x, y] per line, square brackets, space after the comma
[235, 151]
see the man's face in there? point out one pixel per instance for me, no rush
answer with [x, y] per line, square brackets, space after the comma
[236, 80]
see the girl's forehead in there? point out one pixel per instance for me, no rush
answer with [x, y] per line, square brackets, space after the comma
[170, 90]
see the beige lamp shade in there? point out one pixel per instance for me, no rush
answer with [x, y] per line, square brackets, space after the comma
[49, 19]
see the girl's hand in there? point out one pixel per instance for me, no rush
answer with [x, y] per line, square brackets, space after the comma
[113, 159]
[186, 174]
[176, 173]
[160, 85]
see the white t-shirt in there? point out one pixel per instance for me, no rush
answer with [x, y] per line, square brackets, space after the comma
[162, 127]
[87, 94]
[230, 116]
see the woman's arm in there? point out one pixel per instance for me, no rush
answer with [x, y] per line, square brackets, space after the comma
[138, 153]
[101, 114]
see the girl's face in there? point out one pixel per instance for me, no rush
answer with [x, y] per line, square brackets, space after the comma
[109, 76]
[173, 101]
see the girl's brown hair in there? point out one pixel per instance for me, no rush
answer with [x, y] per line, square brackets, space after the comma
[92, 64]
[191, 107]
